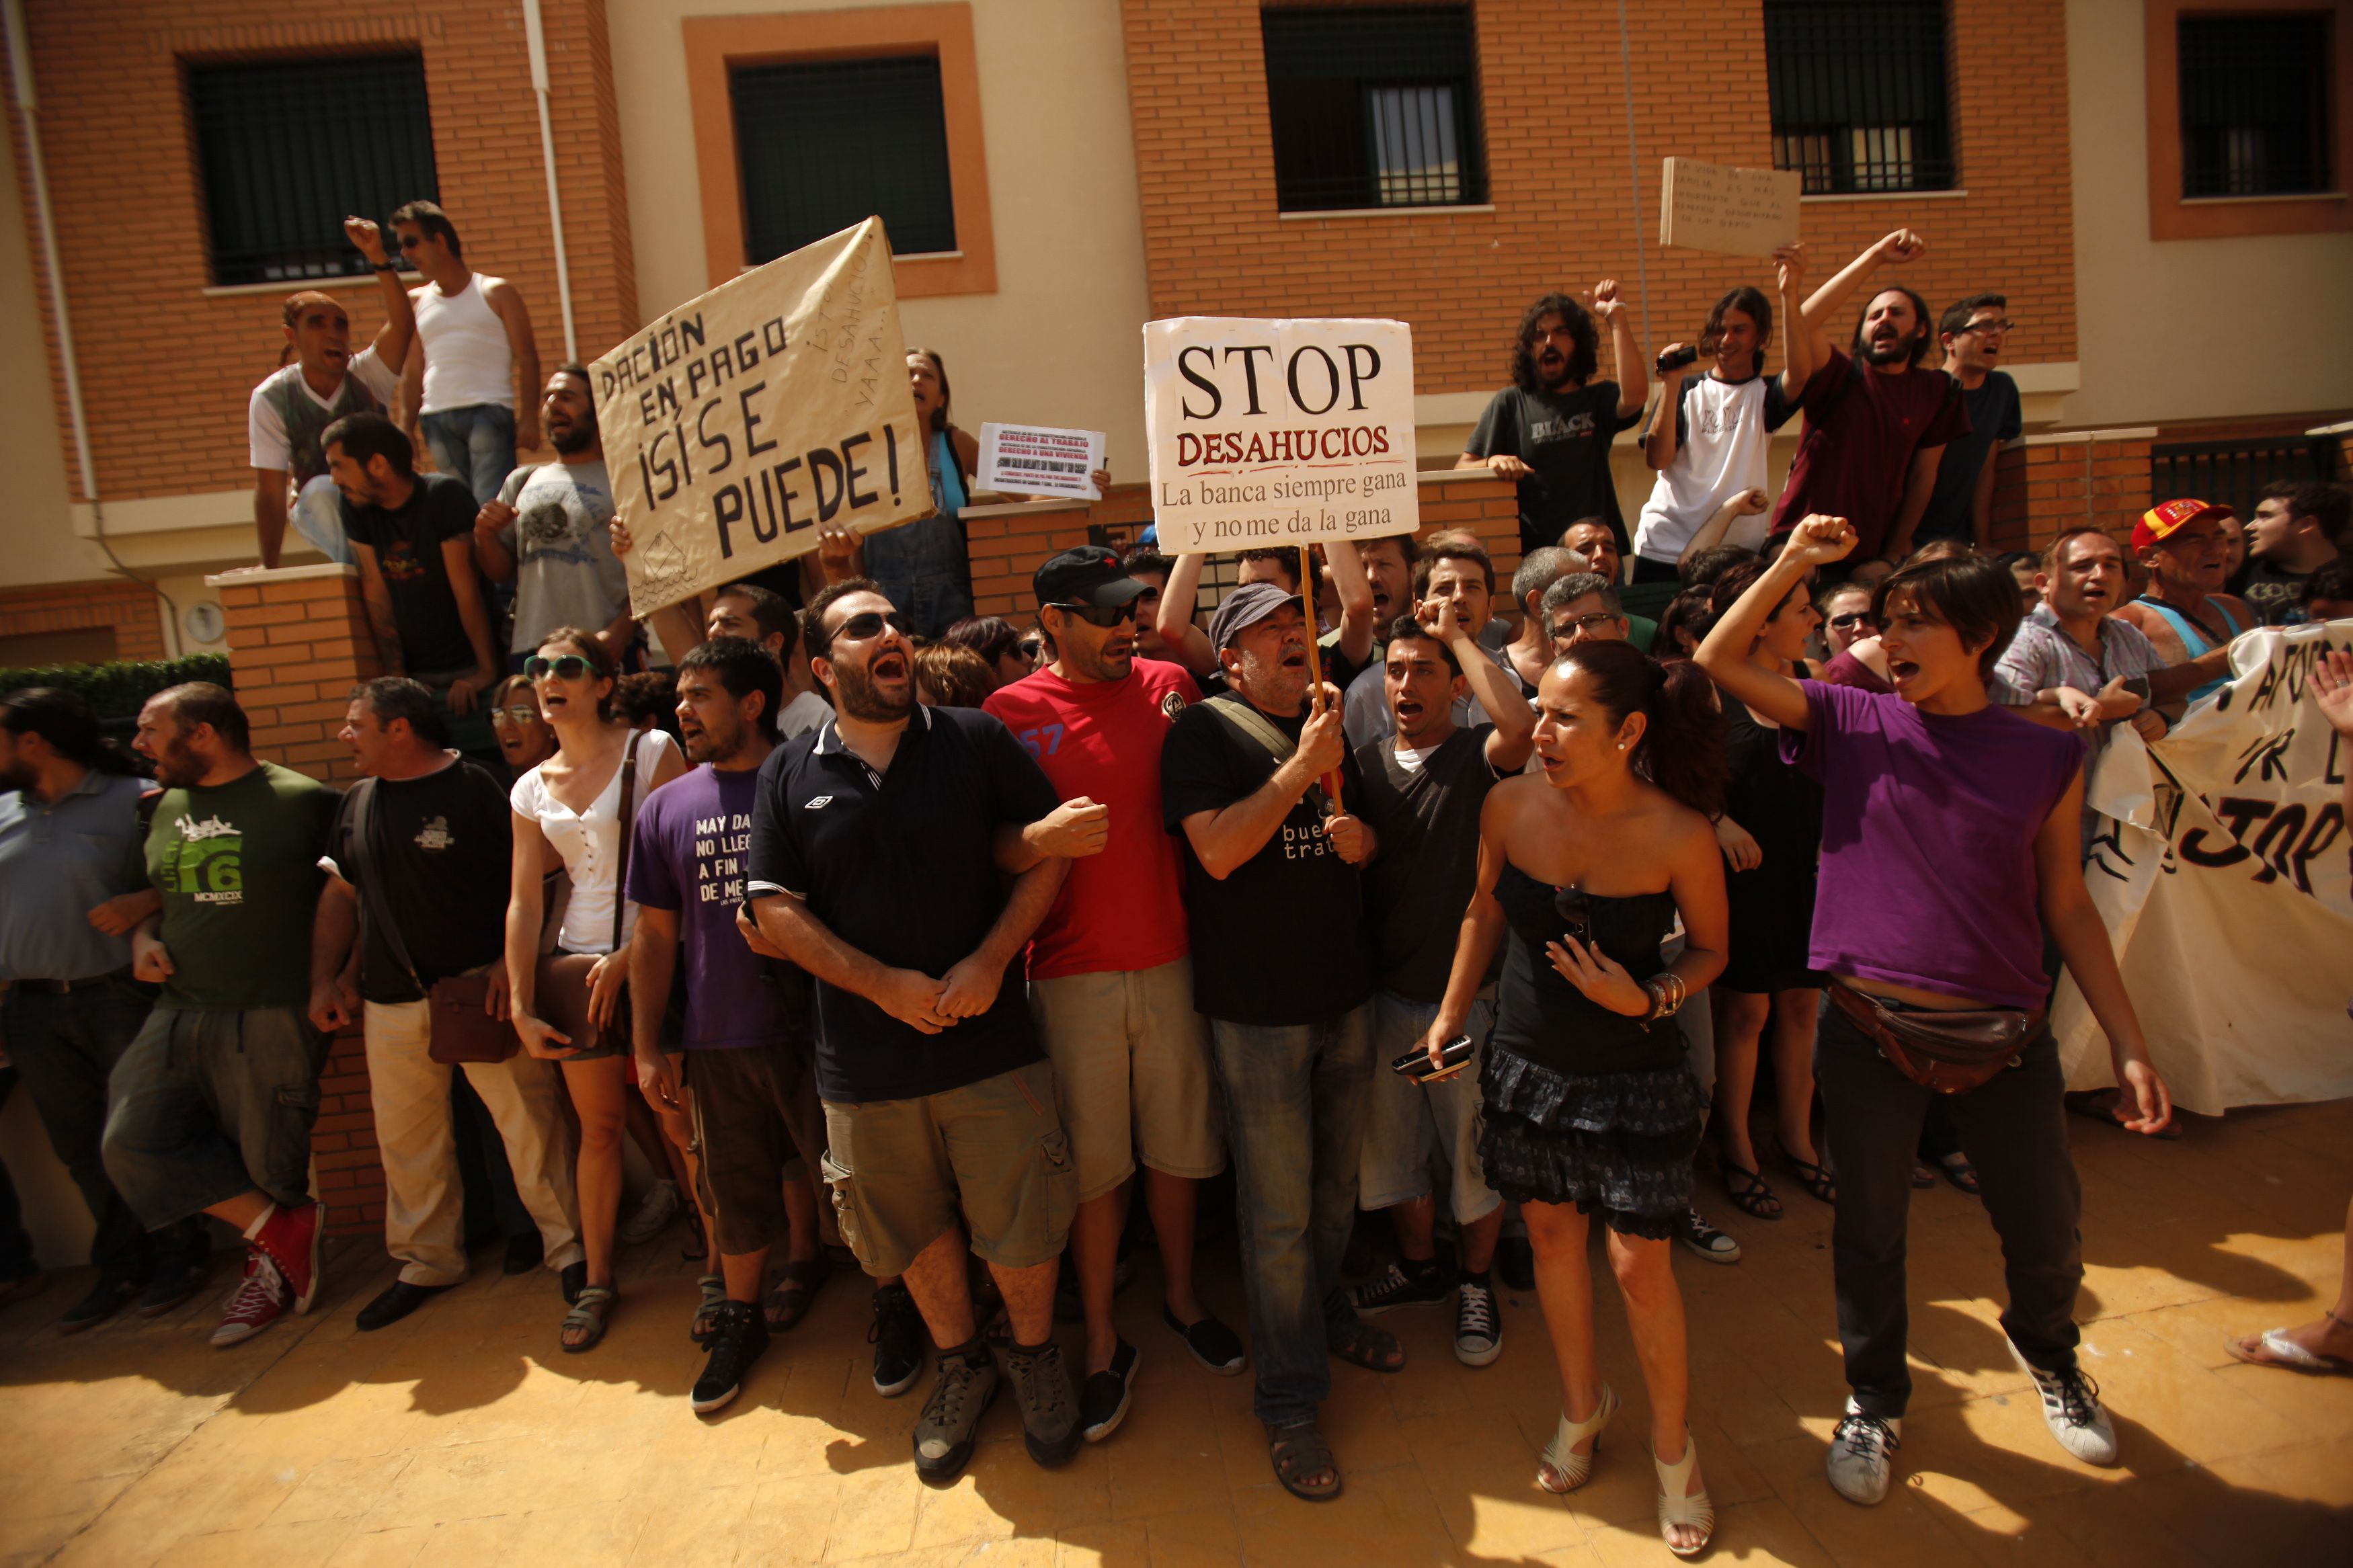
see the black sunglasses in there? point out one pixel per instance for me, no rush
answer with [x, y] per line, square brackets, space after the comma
[570, 667]
[1852, 619]
[1098, 614]
[859, 627]
[1575, 907]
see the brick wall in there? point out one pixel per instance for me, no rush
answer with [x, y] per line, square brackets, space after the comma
[299, 641]
[166, 378]
[1554, 106]
[131, 609]
[347, 1166]
[2047, 483]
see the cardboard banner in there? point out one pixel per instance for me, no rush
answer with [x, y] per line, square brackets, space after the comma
[2224, 870]
[1733, 211]
[741, 420]
[1270, 432]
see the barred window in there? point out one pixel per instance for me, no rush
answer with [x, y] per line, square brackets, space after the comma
[1859, 94]
[2255, 104]
[824, 144]
[287, 149]
[1372, 107]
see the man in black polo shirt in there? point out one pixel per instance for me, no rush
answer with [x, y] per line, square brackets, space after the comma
[1282, 972]
[878, 841]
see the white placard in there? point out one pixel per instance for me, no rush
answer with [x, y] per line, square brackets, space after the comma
[1733, 211]
[1279, 432]
[1040, 460]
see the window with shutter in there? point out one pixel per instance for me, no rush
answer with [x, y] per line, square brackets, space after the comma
[824, 144]
[1372, 107]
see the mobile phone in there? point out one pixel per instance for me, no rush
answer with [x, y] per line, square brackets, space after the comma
[1675, 358]
[1453, 1056]
[2138, 684]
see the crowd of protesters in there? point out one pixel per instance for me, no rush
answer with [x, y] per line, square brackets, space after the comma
[1492, 907]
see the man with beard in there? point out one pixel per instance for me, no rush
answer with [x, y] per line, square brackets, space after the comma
[1280, 968]
[1876, 424]
[1111, 976]
[548, 531]
[743, 1074]
[1453, 566]
[2183, 612]
[211, 1108]
[1961, 506]
[1423, 792]
[879, 844]
[1551, 429]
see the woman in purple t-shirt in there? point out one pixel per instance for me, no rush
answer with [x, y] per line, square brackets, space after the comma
[1949, 850]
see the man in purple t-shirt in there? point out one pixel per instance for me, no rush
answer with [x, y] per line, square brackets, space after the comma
[1876, 424]
[746, 1019]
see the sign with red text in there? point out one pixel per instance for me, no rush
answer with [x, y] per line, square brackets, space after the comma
[1040, 460]
[742, 421]
[1279, 432]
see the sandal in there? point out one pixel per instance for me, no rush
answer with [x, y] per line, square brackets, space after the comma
[1956, 1169]
[1299, 1452]
[1560, 1457]
[2100, 1105]
[697, 1246]
[589, 1311]
[1923, 1175]
[2273, 1348]
[795, 1292]
[706, 1313]
[1813, 1177]
[1675, 1509]
[1363, 1344]
[1753, 1195]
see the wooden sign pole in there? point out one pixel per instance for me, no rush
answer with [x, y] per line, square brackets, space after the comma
[1315, 663]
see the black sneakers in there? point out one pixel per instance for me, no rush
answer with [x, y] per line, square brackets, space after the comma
[106, 1298]
[738, 1336]
[899, 1337]
[1050, 1414]
[1425, 1286]
[1103, 1402]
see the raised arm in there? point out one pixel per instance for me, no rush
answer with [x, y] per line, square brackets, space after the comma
[1495, 690]
[1661, 441]
[1900, 246]
[399, 329]
[1710, 534]
[1625, 353]
[1355, 592]
[1723, 653]
[1801, 344]
[2074, 923]
[1174, 621]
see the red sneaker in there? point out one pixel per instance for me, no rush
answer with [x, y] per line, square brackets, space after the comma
[296, 1241]
[260, 1301]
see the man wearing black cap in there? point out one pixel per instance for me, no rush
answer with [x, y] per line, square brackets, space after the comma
[1111, 973]
[1281, 971]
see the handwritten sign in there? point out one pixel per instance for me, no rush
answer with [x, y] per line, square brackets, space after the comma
[1279, 432]
[1736, 212]
[1038, 460]
[743, 419]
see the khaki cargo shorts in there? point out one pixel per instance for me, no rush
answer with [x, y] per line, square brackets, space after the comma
[1132, 1074]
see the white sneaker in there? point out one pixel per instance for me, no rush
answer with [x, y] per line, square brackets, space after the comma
[1478, 1331]
[654, 1212]
[1858, 1458]
[2071, 1408]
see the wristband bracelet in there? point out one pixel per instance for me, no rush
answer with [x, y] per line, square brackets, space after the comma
[1667, 996]
[387, 265]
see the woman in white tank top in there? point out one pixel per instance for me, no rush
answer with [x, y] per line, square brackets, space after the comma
[569, 808]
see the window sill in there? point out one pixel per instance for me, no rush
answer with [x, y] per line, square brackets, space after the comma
[1457, 211]
[297, 285]
[2285, 196]
[1886, 196]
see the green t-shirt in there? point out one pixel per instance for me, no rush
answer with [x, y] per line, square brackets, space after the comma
[238, 868]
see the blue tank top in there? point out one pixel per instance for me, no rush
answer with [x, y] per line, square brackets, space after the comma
[2194, 640]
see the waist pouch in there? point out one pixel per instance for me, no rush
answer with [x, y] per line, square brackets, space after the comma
[1948, 1052]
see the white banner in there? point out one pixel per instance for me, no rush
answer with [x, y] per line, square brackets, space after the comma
[2224, 870]
[738, 422]
[1039, 460]
[1279, 432]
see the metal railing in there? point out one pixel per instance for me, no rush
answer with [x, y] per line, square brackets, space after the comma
[2255, 104]
[2234, 473]
[1859, 91]
[1372, 107]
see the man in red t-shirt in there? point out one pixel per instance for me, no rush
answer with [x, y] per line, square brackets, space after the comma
[1876, 424]
[1110, 970]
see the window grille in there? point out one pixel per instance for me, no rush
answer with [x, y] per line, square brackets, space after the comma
[2255, 104]
[1372, 107]
[824, 144]
[1859, 94]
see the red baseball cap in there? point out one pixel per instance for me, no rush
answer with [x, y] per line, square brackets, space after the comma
[2161, 522]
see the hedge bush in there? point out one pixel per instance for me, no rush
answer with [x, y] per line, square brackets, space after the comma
[119, 689]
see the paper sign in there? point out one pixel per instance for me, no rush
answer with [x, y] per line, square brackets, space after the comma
[743, 419]
[1038, 460]
[1736, 212]
[1279, 432]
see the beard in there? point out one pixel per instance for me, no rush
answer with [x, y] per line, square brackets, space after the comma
[1270, 683]
[176, 767]
[710, 743]
[1897, 351]
[859, 697]
[575, 437]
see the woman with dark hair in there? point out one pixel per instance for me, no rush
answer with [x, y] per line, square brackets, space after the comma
[525, 741]
[1589, 1106]
[1684, 624]
[1950, 847]
[950, 676]
[922, 566]
[1772, 833]
[998, 643]
[569, 809]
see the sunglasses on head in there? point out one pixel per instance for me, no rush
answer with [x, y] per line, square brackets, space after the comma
[1575, 907]
[569, 667]
[858, 629]
[1099, 614]
[514, 717]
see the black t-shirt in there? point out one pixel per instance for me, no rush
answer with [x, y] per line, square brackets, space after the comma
[1280, 940]
[441, 847]
[1995, 416]
[903, 868]
[2275, 595]
[407, 544]
[1426, 820]
[1565, 437]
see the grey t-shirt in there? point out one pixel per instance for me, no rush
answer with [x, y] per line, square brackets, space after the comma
[565, 572]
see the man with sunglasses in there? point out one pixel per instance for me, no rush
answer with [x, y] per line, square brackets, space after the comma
[1961, 506]
[880, 848]
[1110, 975]
[466, 390]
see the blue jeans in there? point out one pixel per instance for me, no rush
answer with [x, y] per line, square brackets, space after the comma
[210, 1103]
[475, 444]
[921, 568]
[318, 518]
[1295, 1099]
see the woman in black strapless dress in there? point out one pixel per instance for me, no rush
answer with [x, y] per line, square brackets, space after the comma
[1589, 1106]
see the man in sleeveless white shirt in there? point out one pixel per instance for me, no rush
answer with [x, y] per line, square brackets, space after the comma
[470, 391]
[324, 381]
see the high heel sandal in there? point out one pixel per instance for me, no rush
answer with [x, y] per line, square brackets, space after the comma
[1674, 1508]
[1561, 1455]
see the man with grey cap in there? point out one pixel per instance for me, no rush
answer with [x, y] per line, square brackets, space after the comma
[1111, 972]
[1281, 971]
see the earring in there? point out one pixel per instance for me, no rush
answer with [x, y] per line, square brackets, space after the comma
[1621, 745]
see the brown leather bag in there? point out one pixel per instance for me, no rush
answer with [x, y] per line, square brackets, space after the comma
[460, 1028]
[560, 986]
[1948, 1052]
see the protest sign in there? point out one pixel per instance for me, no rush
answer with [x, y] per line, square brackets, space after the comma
[2222, 870]
[743, 419]
[1268, 433]
[1039, 460]
[1735, 212]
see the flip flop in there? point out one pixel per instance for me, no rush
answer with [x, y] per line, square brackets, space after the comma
[1963, 1175]
[2273, 1348]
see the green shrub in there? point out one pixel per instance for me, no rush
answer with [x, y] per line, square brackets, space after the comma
[118, 689]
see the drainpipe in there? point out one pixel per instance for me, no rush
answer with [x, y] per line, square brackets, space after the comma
[28, 108]
[535, 38]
